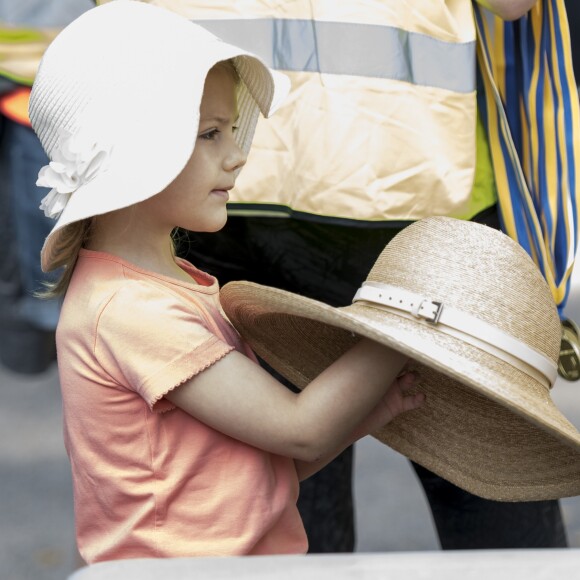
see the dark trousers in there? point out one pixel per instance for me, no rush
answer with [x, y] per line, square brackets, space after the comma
[329, 263]
[27, 323]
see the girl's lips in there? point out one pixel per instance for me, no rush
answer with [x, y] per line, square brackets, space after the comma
[221, 193]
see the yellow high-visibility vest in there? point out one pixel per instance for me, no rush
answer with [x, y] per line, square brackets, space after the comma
[21, 49]
[381, 123]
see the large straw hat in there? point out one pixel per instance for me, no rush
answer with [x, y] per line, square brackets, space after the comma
[471, 308]
[116, 104]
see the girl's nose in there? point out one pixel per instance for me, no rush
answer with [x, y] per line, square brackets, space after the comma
[236, 158]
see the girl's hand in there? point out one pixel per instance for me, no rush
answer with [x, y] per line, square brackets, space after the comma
[398, 399]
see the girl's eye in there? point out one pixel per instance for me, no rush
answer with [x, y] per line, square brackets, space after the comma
[210, 135]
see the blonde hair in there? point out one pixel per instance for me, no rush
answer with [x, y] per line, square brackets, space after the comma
[73, 238]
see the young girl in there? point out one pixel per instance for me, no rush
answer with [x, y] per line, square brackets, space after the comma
[180, 444]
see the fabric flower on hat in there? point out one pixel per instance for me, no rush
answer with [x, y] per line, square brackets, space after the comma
[74, 163]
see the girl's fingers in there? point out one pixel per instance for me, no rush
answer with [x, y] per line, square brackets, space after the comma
[409, 401]
[407, 380]
[415, 401]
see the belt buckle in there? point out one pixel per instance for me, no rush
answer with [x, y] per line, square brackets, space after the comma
[432, 317]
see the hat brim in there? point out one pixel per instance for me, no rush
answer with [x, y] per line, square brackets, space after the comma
[485, 426]
[149, 116]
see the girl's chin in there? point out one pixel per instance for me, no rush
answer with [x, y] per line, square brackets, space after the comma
[210, 227]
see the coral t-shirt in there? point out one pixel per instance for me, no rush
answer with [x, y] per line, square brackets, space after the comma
[149, 479]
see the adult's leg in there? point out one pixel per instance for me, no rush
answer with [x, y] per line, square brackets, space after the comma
[465, 521]
[9, 267]
[32, 226]
[31, 323]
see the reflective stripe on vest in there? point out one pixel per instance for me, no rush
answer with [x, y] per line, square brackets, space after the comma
[364, 50]
[530, 106]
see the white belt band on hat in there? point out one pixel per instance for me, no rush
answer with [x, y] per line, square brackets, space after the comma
[463, 326]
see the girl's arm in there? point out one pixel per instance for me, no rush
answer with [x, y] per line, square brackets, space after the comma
[393, 403]
[508, 9]
[239, 398]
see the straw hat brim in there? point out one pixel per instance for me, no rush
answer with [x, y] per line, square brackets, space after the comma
[485, 426]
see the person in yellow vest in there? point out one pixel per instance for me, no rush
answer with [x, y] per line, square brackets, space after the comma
[381, 129]
[27, 323]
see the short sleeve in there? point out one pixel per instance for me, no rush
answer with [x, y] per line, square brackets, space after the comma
[150, 341]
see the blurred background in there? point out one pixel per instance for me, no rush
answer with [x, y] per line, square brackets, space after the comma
[36, 512]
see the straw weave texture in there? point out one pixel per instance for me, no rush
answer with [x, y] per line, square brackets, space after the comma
[486, 425]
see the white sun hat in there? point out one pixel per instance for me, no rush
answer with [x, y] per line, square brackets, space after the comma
[116, 105]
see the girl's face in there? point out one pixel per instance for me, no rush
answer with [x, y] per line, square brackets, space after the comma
[196, 199]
